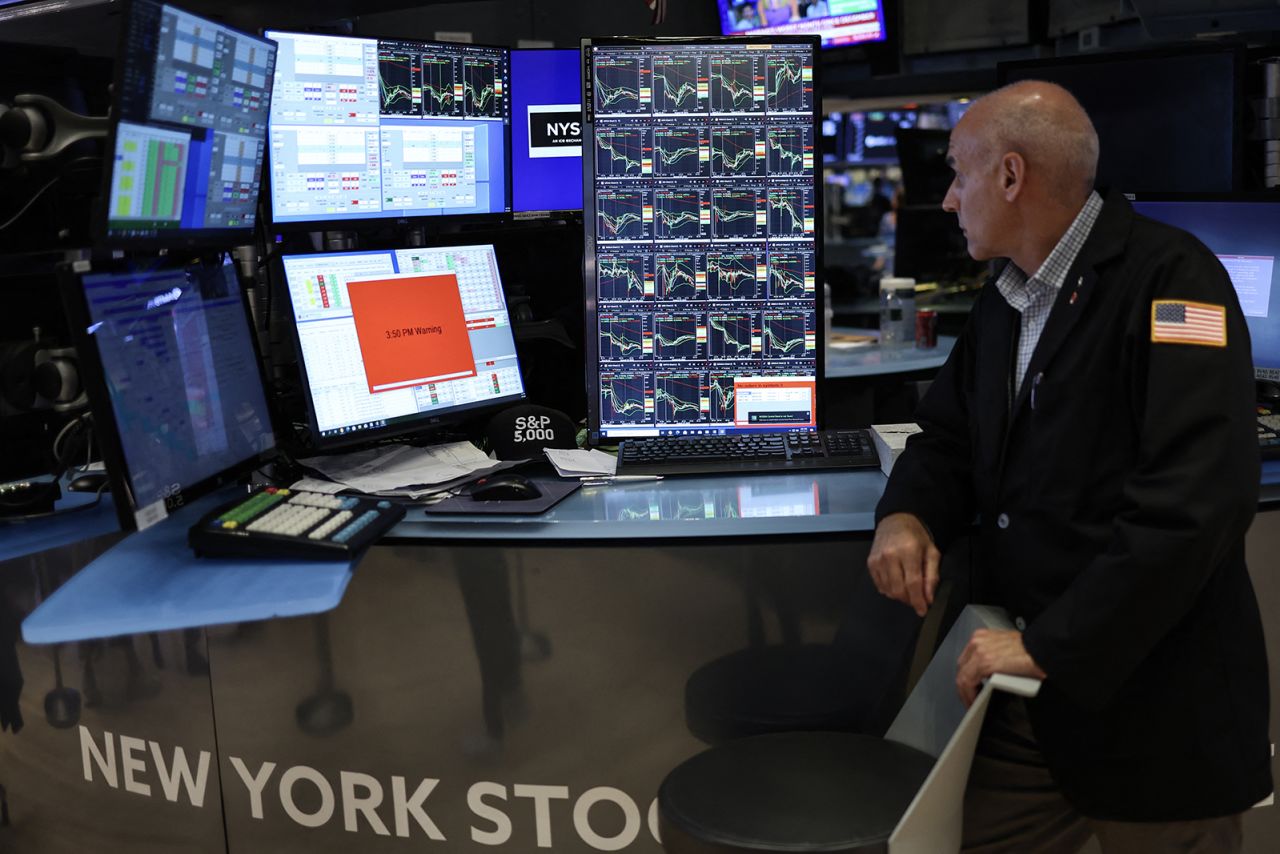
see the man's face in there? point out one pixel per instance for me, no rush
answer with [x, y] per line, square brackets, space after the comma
[976, 195]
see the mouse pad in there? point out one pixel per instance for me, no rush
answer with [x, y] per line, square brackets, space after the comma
[553, 491]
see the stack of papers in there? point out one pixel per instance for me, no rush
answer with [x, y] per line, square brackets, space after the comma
[581, 463]
[399, 470]
[890, 440]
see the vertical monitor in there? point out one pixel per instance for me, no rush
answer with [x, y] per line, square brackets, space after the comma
[546, 130]
[188, 131]
[837, 22]
[368, 128]
[174, 380]
[396, 341]
[701, 260]
[1245, 235]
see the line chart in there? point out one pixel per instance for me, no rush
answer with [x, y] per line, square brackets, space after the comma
[786, 89]
[788, 334]
[400, 82]
[679, 151]
[439, 90]
[790, 150]
[733, 334]
[620, 215]
[790, 275]
[732, 275]
[481, 87]
[625, 337]
[721, 392]
[734, 213]
[677, 214]
[736, 151]
[620, 152]
[617, 85]
[732, 85]
[678, 398]
[790, 212]
[679, 85]
[675, 336]
[679, 276]
[624, 276]
[623, 397]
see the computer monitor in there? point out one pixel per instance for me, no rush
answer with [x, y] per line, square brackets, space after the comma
[871, 135]
[546, 130]
[398, 341]
[188, 130]
[840, 23]
[922, 156]
[1244, 232]
[701, 262]
[366, 128]
[1167, 121]
[174, 381]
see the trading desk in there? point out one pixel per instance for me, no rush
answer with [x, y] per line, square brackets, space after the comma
[479, 683]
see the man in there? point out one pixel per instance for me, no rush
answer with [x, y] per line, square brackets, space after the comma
[1096, 418]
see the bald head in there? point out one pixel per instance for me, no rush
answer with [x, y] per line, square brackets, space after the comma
[1046, 125]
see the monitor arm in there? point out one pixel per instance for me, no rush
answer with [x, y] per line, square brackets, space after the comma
[39, 128]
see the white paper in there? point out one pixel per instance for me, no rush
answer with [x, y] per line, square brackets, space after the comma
[396, 467]
[579, 463]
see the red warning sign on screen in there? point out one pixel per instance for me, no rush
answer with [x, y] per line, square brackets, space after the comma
[411, 330]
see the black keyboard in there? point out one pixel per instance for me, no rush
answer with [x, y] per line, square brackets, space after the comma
[274, 522]
[675, 455]
[1268, 432]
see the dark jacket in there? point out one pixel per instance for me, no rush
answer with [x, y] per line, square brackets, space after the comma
[1113, 497]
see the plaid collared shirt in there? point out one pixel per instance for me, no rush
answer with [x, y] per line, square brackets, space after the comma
[1033, 297]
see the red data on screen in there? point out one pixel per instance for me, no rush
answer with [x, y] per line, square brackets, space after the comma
[411, 331]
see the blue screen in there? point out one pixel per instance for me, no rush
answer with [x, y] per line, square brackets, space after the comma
[181, 373]
[839, 22]
[190, 127]
[1246, 238]
[369, 128]
[546, 130]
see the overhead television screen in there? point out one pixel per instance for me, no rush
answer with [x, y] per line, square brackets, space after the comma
[838, 22]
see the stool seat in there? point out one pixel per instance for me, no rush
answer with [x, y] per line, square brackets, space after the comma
[795, 791]
[770, 689]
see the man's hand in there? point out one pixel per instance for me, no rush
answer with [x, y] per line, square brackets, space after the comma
[989, 652]
[904, 561]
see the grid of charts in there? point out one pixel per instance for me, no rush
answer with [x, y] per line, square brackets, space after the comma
[703, 222]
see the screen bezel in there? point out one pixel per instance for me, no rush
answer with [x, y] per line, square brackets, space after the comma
[178, 238]
[93, 375]
[1235, 52]
[281, 296]
[372, 222]
[538, 213]
[590, 303]
[1243, 196]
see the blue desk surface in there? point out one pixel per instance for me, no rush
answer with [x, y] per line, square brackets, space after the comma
[19, 539]
[151, 582]
[720, 506]
[873, 360]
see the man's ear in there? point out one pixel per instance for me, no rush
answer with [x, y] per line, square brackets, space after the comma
[1013, 173]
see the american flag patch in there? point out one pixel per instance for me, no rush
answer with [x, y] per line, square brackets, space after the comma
[1180, 322]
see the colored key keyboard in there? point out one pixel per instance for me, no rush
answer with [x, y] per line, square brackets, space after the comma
[275, 522]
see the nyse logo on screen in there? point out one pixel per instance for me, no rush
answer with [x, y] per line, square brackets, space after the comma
[555, 130]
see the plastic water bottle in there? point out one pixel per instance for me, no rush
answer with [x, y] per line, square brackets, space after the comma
[897, 312]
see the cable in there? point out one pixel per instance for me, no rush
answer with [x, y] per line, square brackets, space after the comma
[31, 201]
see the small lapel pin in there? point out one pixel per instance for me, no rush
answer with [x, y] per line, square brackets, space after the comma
[1074, 296]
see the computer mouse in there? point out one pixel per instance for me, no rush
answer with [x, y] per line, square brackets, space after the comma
[505, 487]
[90, 481]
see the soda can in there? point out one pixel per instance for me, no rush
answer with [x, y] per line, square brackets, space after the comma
[926, 328]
